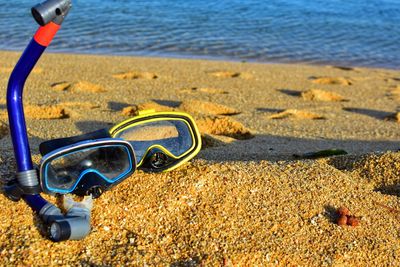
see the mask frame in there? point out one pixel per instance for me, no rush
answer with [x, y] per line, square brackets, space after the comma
[173, 161]
[103, 183]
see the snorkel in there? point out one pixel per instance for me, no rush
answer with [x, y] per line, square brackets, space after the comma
[76, 223]
[89, 164]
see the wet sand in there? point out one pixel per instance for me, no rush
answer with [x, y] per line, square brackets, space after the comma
[245, 199]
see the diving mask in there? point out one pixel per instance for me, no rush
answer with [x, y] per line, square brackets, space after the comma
[162, 140]
[87, 167]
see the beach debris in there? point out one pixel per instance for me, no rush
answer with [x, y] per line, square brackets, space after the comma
[321, 95]
[207, 108]
[296, 114]
[134, 75]
[345, 218]
[331, 80]
[321, 153]
[314, 220]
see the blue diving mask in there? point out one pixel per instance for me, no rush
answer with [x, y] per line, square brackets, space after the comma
[87, 167]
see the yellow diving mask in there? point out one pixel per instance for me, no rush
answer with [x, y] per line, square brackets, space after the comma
[162, 141]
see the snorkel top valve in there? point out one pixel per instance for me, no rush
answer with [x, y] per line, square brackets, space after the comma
[51, 11]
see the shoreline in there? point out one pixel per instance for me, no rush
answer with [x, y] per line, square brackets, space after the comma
[245, 199]
[215, 58]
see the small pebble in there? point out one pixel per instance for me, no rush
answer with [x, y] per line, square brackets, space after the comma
[342, 220]
[353, 221]
[343, 211]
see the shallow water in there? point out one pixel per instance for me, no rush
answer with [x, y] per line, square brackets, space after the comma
[358, 32]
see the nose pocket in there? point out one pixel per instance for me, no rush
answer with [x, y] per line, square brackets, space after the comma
[157, 159]
[91, 183]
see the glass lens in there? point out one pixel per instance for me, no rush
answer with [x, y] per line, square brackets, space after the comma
[173, 135]
[109, 161]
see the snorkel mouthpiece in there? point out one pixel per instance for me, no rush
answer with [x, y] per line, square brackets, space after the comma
[74, 225]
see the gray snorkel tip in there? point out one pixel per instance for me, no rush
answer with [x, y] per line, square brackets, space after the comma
[51, 10]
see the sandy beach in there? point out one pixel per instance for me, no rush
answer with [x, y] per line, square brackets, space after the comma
[246, 199]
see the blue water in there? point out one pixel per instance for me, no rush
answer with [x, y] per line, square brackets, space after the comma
[342, 32]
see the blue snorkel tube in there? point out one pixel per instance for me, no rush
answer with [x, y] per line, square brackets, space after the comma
[76, 223]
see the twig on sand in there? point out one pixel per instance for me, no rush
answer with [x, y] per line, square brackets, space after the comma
[394, 211]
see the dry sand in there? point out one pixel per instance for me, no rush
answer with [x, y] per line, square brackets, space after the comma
[245, 200]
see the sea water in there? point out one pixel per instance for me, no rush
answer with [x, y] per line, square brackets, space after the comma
[341, 32]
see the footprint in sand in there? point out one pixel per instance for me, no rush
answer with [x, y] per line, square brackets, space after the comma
[189, 106]
[80, 105]
[296, 114]
[230, 74]
[78, 87]
[76, 109]
[224, 126]
[212, 140]
[133, 75]
[135, 109]
[342, 68]
[61, 86]
[207, 108]
[3, 129]
[321, 95]
[87, 87]
[331, 80]
[206, 90]
[392, 79]
[395, 93]
[45, 112]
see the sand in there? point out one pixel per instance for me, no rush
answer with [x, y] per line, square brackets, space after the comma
[245, 199]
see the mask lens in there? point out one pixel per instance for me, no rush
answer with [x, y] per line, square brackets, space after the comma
[173, 135]
[110, 162]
